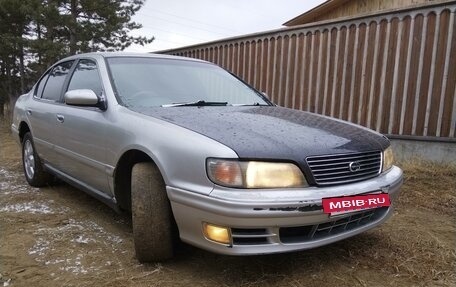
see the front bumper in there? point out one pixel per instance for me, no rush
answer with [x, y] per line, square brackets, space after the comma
[274, 221]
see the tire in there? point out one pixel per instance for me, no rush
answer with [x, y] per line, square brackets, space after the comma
[31, 163]
[152, 219]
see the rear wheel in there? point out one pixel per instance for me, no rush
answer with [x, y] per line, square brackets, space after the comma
[151, 214]
[33, 168]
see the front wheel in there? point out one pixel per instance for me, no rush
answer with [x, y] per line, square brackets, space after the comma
[151, 214]
[33, 169]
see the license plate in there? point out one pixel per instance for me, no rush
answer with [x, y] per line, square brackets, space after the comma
[344, 204]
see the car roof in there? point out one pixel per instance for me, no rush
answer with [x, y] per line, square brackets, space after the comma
[128, 54]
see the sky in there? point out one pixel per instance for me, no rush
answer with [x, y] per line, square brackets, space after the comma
[179, 23]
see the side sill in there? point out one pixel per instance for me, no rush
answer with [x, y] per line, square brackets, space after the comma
[101, 196]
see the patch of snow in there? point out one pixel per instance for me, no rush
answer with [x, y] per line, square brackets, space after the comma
[76, 236]
[4, 176]
[75, 266]
[53, 262]
[102, 233]
[9, 186]
[4, 185]
[30, 207]
[5, 173]
[18, 189]
[83, 240]
[40, 247]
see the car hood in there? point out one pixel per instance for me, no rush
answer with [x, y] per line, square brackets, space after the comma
[270, 132]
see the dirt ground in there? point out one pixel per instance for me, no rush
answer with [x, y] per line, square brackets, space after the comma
[59, 236]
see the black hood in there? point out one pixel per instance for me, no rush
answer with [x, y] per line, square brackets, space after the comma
[275, 133]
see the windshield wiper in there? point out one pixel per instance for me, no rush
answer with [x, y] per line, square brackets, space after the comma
[254, 104]
[200, 103]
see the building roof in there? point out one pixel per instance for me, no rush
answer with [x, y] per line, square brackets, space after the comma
[310, 15]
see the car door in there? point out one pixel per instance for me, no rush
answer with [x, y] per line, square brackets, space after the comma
[42, 112]
[84, 134]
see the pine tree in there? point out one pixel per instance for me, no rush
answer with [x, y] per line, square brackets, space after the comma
[13, 27]
[100, 25]
[36, 33]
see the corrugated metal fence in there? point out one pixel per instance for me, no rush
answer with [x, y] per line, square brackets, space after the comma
[393, 72]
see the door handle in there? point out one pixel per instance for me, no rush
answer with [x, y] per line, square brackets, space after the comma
[60, 118]
[29, 112]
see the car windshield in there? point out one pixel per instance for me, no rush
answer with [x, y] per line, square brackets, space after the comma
[153, 82]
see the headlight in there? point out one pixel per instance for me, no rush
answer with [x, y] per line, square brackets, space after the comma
[388, 159]
[254, 174]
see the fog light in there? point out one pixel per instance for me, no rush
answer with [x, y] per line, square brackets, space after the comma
[217, 233]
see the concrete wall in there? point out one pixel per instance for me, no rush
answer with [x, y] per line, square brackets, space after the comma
[439, 152]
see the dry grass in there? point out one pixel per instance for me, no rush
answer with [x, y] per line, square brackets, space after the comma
[425, 241]
[416, 247]
[429, 185]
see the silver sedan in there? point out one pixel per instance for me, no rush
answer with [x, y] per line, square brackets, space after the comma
[192, 152]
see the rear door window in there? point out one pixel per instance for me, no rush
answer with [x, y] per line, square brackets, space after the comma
[56, 79]
[40, 87]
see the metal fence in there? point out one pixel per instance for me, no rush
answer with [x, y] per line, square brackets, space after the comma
[392, 72]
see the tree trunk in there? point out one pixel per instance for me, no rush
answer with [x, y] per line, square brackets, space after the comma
[2, 89]
[73, 24]
[38, 31]
[21, 66]
[8, 90]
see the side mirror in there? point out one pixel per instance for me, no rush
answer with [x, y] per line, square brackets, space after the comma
[83, 97]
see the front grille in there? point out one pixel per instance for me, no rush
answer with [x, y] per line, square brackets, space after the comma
[320, 231]
[250, 236]
[306, 233]
[335, 169]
